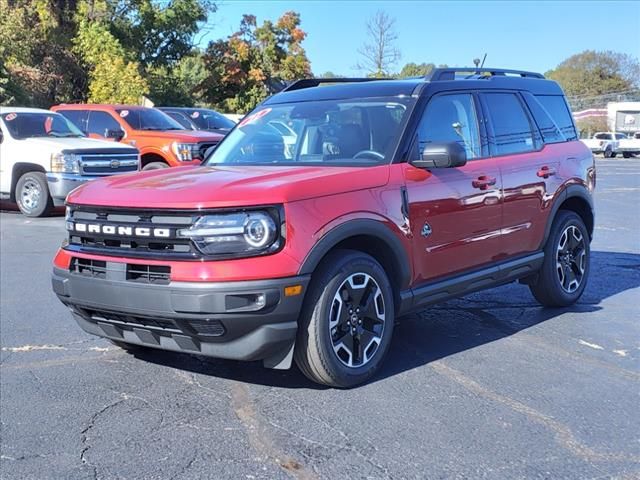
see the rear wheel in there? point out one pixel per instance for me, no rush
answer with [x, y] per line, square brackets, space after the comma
[347, 321]
[155, 166]
[564, 273]
[627, 155]
[32, 194]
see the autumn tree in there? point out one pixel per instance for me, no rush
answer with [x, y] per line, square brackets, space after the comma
[379, 53]
[254, 62]
[592, 73]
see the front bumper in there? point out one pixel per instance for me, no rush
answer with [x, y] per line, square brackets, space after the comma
[224, 320]
[60, 184]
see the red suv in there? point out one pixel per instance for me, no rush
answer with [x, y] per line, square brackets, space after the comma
[161, 140]
[392, 195]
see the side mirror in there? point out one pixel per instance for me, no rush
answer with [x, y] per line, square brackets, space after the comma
[117, 135]
[441, 155]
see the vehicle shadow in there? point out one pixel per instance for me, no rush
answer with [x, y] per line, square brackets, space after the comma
[441, 330]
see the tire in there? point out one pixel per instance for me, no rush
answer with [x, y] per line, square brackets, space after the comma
[566, 261]
[32, 195]
[627, 155]
[154, 166]
[613, 154]
[608, 153]
[330, 354]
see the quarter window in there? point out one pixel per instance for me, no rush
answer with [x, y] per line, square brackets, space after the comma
[557, 108]
[450, 118]
[511, 127]
[550, 131]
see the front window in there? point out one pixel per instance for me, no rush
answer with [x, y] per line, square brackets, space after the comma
[148, 119]
[332, 132]
[23, 125]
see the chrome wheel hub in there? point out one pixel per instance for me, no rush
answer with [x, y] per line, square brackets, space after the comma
[571, 259]
[30, 195]
[356, 320]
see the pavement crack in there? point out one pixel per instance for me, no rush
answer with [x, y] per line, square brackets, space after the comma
[260, 439]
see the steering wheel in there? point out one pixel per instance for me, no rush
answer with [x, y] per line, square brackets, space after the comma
[371, 153]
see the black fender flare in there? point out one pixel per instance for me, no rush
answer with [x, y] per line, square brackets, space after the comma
[579, 191]
[359, 227]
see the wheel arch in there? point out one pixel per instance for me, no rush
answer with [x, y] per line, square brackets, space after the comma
[20, 169]
[372, 237]
[575, 198]
[149, 157]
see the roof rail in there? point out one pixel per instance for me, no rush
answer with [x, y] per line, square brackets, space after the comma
[314, 82]
[441, 74]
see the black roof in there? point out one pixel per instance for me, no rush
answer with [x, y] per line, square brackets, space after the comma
[439, 80]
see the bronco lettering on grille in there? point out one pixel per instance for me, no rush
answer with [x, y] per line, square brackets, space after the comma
[119, 230]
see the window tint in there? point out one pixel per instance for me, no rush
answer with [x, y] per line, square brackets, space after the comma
[100, 122]
[603, 136]
[450, 118]
[557, 108]
[511, 127]
[78, 118]
[620, 136]
[550, 131]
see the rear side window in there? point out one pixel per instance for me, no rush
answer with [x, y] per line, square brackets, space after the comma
[603, 136]
[557, 108]
[78, 118]
[512, 131]
[548, 129]
[101, 122]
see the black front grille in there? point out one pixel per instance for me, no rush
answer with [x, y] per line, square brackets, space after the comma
[129, 233]
[88, 267]
[167, 326]
[156, 274]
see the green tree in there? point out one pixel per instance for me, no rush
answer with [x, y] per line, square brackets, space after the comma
[416, 70]
[179, 86]
[596, 73]
[246, 67]
[113, 77]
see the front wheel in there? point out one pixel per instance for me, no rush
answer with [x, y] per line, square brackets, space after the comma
[346, 322]
[155, 166]
[32, 195]
[565, 270]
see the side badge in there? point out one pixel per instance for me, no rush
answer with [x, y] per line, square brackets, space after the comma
[426, 230]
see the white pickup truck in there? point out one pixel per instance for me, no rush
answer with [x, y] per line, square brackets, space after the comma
[43, 157]
[605, 143]
[629, 146]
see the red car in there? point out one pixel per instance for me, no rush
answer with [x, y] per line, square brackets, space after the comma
[392, 195]
[161, 140]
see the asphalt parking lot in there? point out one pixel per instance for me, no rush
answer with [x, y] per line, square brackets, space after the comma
[489, 386]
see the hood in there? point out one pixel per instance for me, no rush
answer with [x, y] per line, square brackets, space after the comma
[217, 187]
[75, 143]
[187, 136]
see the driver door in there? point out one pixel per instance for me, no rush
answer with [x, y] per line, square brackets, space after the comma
[455, 213]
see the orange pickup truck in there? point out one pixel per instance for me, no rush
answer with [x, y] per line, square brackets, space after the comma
[161, 140]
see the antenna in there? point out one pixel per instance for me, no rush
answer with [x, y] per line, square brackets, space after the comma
[483, 59]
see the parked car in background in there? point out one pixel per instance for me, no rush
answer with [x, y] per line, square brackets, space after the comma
[199, 119]
[161, 140]
[43, 156]
[629, 146]
[605, 143]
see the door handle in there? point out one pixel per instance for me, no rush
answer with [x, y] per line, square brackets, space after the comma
[546, 172]
[483, 182]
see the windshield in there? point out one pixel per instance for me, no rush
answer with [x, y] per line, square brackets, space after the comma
[23, 125]
[148, 119]
[332, 132]
[209, 119]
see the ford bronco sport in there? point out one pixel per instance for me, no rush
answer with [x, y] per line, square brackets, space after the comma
[396, 194]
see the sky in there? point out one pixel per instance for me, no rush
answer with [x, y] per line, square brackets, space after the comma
[534, 36]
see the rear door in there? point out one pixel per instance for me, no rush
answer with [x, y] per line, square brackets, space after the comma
[455, 213]
[530, 169]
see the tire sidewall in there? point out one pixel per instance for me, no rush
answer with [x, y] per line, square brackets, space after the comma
[45, 200]
[566, 219]
[154, 166]
[356, 263]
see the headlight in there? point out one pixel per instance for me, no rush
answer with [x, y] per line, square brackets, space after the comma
[184, 151]
[64, 163]
[233, 233]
